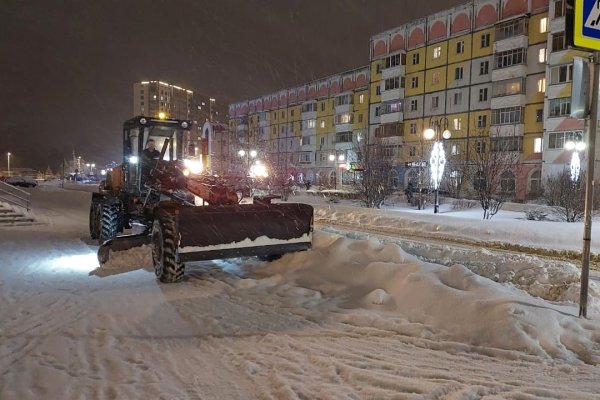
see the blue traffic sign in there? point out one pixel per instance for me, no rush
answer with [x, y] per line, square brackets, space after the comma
[587, 24]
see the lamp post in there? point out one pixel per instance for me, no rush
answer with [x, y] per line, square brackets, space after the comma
[576, 145]
[210, 103]
[8, 162]
[437, 160]
[247, 155]
[340, 158]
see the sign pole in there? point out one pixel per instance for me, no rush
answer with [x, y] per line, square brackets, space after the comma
[589, 189]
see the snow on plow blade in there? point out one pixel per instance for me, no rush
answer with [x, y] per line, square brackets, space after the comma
[214, 232]
[226, 231]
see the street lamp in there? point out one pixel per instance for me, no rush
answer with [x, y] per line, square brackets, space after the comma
[8, 162]
[437, 160]
[576, 145]
[340, 159]
[248, 155]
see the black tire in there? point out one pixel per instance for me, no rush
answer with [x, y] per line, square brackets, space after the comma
[95, 218]
[164, 251]
[109, 224]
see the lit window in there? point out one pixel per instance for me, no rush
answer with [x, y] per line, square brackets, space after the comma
[437, 52]
[322, 123]
[435, 78]
[541, 85]
[544, 25]
[542, 55]
[361, 98]
[537, 145]
[457, 124]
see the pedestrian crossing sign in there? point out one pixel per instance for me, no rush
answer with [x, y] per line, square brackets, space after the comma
[587, 24]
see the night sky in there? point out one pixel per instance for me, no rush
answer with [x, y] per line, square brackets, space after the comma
[67, 68]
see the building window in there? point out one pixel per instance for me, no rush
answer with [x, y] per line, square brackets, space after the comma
[392, 61]
[537, 145]
[392, 83]
[322, 123]
[455, 149]
[412, 151]
[415, 58]
[511, 28]
[481, 121]
[378, 90]
[361, 98]
[541, 85]
[378, 68]
[508, 87]
[539, 115]
[507, 182]
[414, 82]
[457, 122]
[559, 8]
[561, 74]
[559, 107]
[458, 73]
[508, 115]
[435, 78]
[323, 105]
[483, 94]
[505, 59]
[535, 182]
[485, 40]
[460, 47]
[311, 123]
[557, 140]
[558, 41]
[437, 52]
[413, 105]
[457, 98]
[544, 25]
[480, 147]
[542, 55]
[435, 102]
[413, 128]
[360, 118]
[484, 67]
[377, 111]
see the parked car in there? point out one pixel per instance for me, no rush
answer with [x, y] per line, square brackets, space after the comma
[24, 181]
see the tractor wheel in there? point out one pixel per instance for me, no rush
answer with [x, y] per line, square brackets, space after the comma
[164, 251]
[109, 225]
[95, 216]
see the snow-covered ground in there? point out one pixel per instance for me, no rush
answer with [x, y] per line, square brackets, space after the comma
[362, 315]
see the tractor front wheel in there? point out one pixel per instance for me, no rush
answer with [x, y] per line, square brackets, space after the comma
[109, 225]
[95, 217]
[164, 251]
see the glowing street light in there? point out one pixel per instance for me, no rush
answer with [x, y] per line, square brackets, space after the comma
[8, 162]
[576, 146]
[437, 160]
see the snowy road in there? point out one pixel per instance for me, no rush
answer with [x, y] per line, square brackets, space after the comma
[292, 329]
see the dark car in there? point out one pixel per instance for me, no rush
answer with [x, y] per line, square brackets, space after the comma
[24, 181]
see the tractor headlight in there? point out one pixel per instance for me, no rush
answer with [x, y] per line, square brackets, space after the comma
[194, 166]
[184, 125]
[133, 160]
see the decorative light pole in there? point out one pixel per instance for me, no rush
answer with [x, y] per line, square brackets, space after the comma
[247, 155]
[576, 145]
[437, 160]
[340, 159]
[8, 162]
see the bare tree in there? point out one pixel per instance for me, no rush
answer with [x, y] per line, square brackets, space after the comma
[375, 186]
[565, 196]
[496, 163]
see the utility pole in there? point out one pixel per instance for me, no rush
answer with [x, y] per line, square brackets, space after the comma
[589, 189]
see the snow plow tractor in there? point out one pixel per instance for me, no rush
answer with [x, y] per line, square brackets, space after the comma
[166, 201]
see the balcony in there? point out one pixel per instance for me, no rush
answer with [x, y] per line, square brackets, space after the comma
[511, 43]
[393, 94]
[508, 101]
[511, 72]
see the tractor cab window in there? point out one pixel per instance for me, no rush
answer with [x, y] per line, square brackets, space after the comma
[159, 134]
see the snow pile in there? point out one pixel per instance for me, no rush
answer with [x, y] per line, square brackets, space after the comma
[452, 301]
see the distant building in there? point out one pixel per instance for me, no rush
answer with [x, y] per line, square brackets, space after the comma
[151, 98]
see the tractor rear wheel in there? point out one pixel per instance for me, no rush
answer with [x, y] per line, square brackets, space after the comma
[109, 225]
[164, 251]
[95, 216]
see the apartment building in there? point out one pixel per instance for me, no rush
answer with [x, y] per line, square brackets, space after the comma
[151, 98]
[495, 73]
[311, 132]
